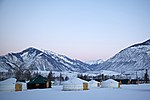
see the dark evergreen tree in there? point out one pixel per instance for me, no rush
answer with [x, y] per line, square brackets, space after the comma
[66, 78]
[60, 78]
[80, 76]
[146, 77]
[103, 78]
[85, 77]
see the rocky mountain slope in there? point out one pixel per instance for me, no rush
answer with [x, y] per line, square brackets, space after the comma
[133, 58]
[41, 60]
[128, 61]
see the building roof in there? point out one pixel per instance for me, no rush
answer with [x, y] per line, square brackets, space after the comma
[110, 81]
[75, 81]
[38, 80]
[8, 81]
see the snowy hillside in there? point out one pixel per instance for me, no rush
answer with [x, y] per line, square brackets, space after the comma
[41, 60]
[94, 62]
[134, 58]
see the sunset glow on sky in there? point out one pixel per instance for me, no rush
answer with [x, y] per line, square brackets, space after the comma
[81, 29]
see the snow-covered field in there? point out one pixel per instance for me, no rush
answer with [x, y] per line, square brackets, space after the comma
[126, 92]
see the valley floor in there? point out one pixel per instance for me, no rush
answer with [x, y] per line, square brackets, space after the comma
[126, 92]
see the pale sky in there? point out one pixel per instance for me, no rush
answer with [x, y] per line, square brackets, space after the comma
[80, 29]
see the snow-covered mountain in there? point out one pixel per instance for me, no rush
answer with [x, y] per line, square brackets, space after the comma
[95, 62]
[41, 60]
[133, 58]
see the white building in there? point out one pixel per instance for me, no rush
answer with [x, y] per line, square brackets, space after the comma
[94, 83]
[110, 83]
[75, 84]
[8, 84]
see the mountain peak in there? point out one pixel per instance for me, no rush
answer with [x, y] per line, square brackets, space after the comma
[147, 42]
[129, 60]
[30, 49]
[42, 60]
[143, 43]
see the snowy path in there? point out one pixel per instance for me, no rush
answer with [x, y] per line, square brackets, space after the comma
[127, 92]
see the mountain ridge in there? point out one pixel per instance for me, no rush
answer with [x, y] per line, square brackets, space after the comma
[35, 59]
[132, 58]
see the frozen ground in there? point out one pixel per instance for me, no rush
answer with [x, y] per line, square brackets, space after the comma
[126, 92]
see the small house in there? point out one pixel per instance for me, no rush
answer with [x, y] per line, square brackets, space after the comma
[110, 83]
[8, 84]
[75, 84]
[38, 83]
[94, 83]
